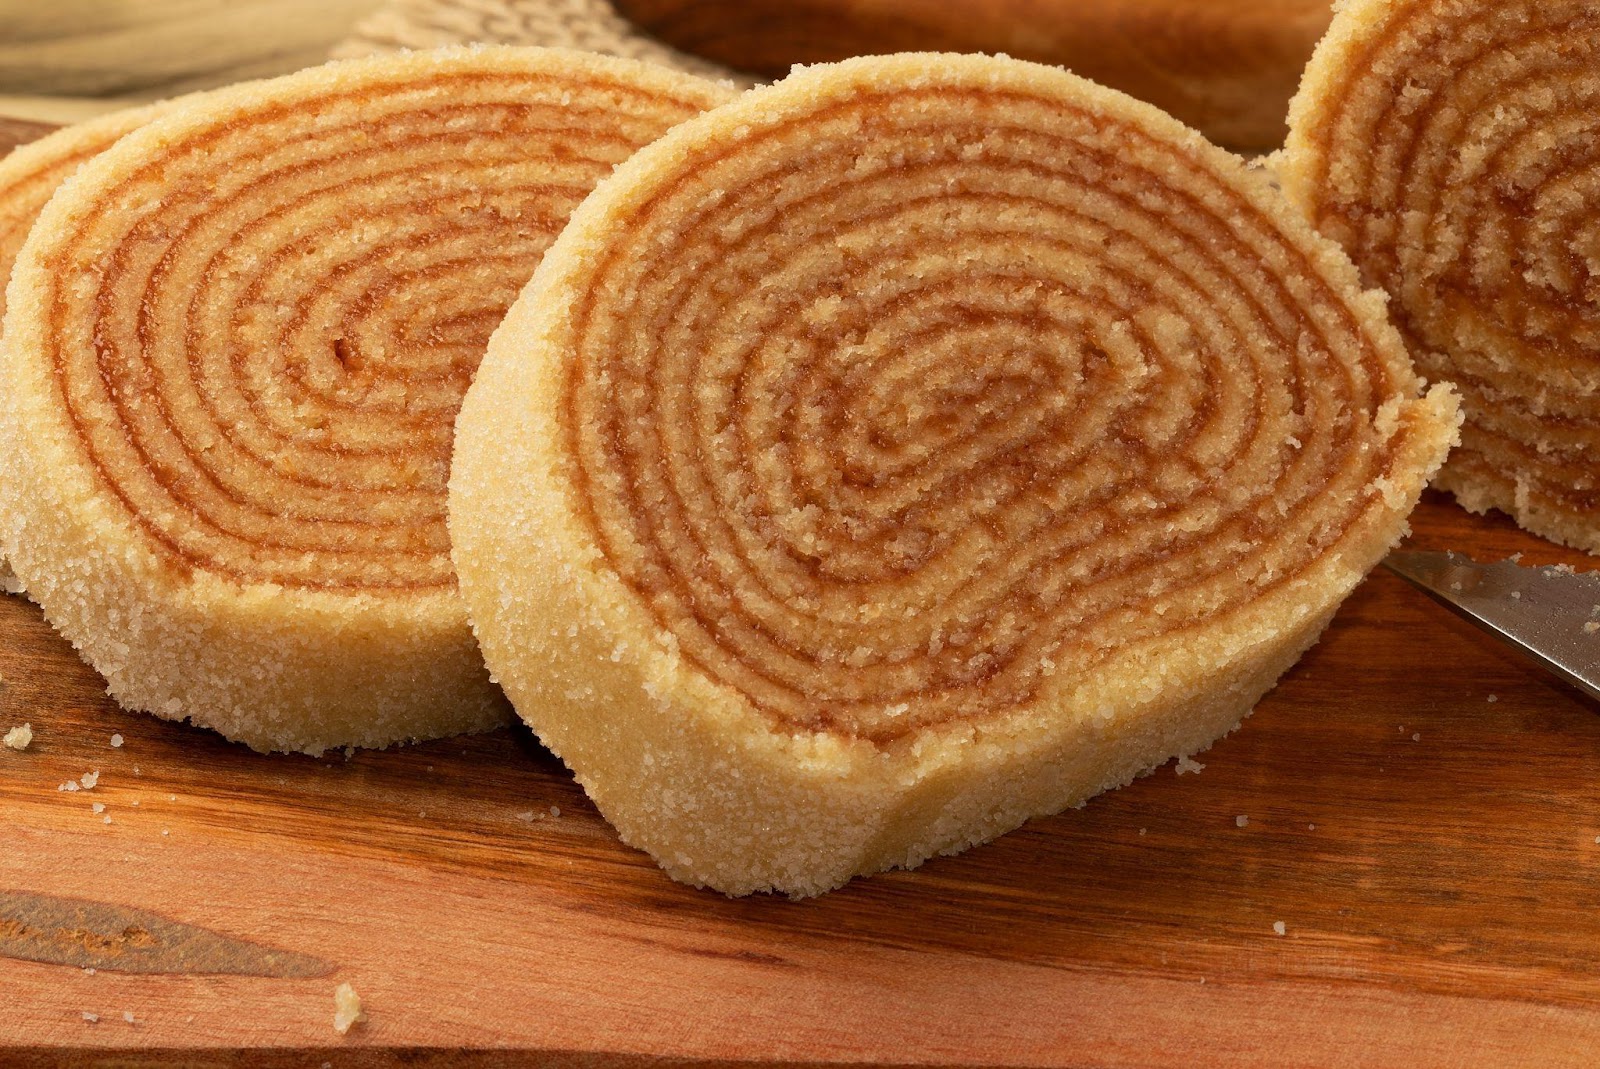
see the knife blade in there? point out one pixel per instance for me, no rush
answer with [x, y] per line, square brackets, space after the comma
[1550, 614]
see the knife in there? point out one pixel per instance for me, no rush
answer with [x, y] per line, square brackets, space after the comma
[1550, 614]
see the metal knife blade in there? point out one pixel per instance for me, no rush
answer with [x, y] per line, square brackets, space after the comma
[1550, 614]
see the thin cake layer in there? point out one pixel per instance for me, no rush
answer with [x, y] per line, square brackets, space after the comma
[934, 442]
[1450, 146]
[29, 177]
[238, 341]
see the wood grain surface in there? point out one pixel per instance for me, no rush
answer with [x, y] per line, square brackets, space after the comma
[1423, 817]
[1226, 67]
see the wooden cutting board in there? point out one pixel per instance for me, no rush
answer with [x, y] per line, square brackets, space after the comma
[1423, 817]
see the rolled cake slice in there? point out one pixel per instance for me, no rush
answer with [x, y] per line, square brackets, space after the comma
[914, 447]
[235, 346]
[29, 176]
[1451, 147]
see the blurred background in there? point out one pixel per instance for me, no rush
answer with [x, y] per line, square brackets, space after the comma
[1227, 67]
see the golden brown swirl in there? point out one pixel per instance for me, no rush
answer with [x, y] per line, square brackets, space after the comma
[1453, 148]
[237, 344]
[890, 409]
[917, 445]
[263, 331]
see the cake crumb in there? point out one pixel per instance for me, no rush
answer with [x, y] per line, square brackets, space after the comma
[89, 779]
[1311, 827]
[527, 816]
[1591, 627]
[116, 741]
[555, 811]
[1416, 737]
[108, 820]
[346, 1008]
[18, 738]
[90, 1017]
[1142, 831]
[127, 1015]
[1186, 765]
[1241, 821]
[1280, 928]
[1494, 697]
[99, 807]
[166, 831]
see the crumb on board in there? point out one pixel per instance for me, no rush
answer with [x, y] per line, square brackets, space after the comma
[1494, 697]
[127, 1015]
[89, 779]
[108, 820]
[19, 738]
[1591, 627]
[116, 741]
[1187, 764]
[1241, 821]
[1280, 928]
[99, 807]
[347, 1009]
[1416, 736]
[90, 1017]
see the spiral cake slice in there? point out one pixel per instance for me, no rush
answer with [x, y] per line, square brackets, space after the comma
[29, 176]
[235, 345]
[1451, 147]
[917, 446]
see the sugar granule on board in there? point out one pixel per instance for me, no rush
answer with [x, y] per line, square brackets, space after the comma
[18, 738]
[347, 1009]
[1241, 821]
[116, 741]
[89, 779]
[1280, 928]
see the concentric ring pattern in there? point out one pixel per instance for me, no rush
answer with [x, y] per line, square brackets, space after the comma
[236, 347]
[263, 333]
[913, 447]
[1453, 147]
[891, 408]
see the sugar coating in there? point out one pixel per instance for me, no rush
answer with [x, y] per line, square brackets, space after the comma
[29, 176]
[1448, 146]
[346, 1008]
[287, 285]
[903, 451]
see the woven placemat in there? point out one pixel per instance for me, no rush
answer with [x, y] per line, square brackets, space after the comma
[593, 25]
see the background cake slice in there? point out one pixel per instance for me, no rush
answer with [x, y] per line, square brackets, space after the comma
[1450, 146]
